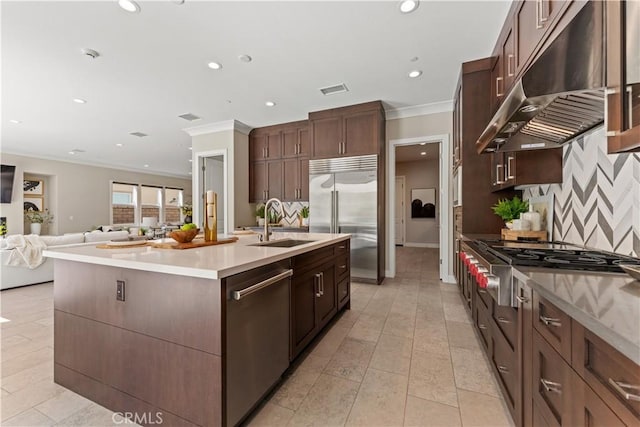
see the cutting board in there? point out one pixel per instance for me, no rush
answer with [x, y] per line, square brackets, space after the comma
[523, 235]
[193, 244]
[132, 245]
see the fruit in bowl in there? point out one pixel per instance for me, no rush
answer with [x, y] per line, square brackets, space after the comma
[185, 235]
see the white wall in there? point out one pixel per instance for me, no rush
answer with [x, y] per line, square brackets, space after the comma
[420, 174]
[415, 127]
[79, 195]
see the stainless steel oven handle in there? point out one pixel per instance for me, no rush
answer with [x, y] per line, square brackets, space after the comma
[238, 295]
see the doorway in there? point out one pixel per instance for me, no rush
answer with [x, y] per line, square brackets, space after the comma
[211, 172]
[442, 199]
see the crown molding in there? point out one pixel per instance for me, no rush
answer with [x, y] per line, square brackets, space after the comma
[419, 110]
[233, 125]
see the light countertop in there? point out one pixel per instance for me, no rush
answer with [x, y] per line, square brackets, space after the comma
[607, 304]
[209, 262]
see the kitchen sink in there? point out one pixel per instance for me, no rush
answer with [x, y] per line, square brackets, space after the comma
[283, 243]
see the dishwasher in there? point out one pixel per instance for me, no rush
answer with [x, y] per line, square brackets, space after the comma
[257, 336]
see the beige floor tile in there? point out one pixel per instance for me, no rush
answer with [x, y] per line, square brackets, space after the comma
[28, 418]
[462, 335]
[392, 354]
[96, 416]
[13, 340]
[63, 405]
[26, 361]
[351, 359]
[456, 313]
[380, 400]
[295, 388]
[29, 397]
[328, 402]
[330, 342]
[425, 413]
[431, 378]
[271, 415]
[472, 372]
[480, 410]
[431, 339]
[348, 318]
[4, 392]
[26, 347]
[27, 377]
[27, 330]
[400, 324]
[360, 332]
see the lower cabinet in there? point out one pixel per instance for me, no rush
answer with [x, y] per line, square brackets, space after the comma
[319, 287]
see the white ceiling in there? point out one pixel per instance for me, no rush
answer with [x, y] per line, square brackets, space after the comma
[153, 68]
[411, 153]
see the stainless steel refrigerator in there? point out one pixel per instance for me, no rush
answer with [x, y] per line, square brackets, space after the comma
[343, 198]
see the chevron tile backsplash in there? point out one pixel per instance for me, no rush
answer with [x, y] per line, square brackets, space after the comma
[598, 202]
[291, 213]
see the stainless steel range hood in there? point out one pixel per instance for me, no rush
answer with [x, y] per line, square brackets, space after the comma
[561, 95]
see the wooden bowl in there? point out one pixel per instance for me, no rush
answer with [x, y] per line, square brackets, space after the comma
[184, 236]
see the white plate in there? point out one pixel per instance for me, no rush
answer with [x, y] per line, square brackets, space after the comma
[126, 243]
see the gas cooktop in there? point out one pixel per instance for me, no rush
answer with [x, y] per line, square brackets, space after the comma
[557, 255]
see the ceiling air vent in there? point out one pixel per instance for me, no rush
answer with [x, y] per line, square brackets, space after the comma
[330, 90]
[138, 134]
[189, 117]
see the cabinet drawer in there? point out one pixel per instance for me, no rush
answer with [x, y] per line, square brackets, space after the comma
[484, 297]
[310, 259]
[343, 292]
[506, 322]
[590, 409]
[342, 266]
[504, 359]
[341, 247]
[482, 322]
[551, 383]
[608, 372]
[553, 324]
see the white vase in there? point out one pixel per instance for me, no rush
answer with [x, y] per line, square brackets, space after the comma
[305, 222]
[260, 222]
[36, 228]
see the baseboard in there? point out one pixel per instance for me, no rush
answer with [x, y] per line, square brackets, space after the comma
[449, 279]
[421, 245]
[387, 274]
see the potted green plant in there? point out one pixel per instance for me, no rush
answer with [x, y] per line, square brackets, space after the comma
[509, 210]
[274, 218]
[260, 214]
[187, 211]
[304, 214]
[37, 218]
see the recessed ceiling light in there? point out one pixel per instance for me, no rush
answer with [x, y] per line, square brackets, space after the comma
[79, 101]
[245, 58]
[408, 6]
[118, 145]
[129, 6]
[72, 152]
[415, 73]
[214, 65]
[424, 153]
[423, 143]
[190, 160]
[146, 166]
[269, 103]
[190, 148]
[17, 122]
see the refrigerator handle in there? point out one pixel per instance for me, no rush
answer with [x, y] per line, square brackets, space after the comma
[333, 207]
[337, 206]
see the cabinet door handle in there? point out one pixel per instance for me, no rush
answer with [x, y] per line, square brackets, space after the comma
[503, 369]
[481, 291]
[510, 58]
[343, 267]
[498, 81]
[482, 326]
[540, 18]
[522, 300]
[620, 389]
[316, 285]
[322, 284]
[551, 386]
[503, 320]
[498, 169]
[551, 321]
[509, 175]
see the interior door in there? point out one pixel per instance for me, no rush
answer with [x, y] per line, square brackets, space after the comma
[357, 209]
[400, 213]
[321, 203]
[214, 180]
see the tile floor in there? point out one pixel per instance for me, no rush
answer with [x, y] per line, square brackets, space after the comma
[405, 354]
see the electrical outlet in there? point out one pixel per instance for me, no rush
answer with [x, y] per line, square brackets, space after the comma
[120, 290]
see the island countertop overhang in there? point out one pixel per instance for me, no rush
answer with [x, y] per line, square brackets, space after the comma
[209, 262]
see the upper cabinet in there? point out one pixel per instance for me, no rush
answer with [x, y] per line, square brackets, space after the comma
[349, 131]
[279, 162]
[623, 76]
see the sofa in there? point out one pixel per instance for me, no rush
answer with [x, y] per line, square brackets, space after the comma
[20, 276]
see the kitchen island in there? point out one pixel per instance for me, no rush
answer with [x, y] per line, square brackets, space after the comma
[196, 336]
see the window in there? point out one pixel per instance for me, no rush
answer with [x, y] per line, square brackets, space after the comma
[130, 203]
[172, 203]
[123, 203]
[151, 202]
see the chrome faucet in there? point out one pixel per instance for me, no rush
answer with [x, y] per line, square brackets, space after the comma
[266, 214]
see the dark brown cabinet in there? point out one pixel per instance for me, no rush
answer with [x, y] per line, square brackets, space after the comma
[533, 18]
[623, 76]
[509, 169]
[279, 163]
[319, 287]
[349, 131]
